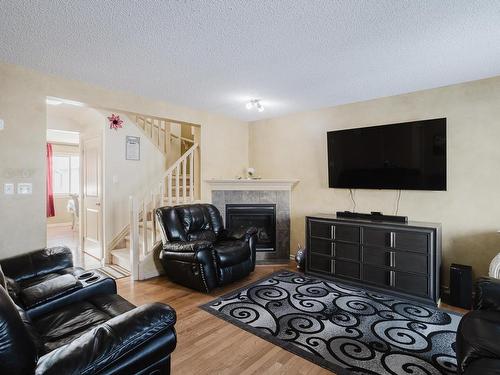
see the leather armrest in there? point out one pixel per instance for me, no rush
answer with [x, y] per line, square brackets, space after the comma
[38, 262]
[114, 343]
[240, 234]
[487, 296]
[49, 289]
[191, 246]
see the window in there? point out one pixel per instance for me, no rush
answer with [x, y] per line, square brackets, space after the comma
[66, 174]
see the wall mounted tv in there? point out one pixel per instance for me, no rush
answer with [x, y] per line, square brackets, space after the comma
[406, 156]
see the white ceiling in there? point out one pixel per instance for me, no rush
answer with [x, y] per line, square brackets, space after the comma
[294, 54]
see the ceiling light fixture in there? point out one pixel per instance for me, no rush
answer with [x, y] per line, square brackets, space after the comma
[255, 103]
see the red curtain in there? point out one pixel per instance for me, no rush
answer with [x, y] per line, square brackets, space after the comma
[50, 193]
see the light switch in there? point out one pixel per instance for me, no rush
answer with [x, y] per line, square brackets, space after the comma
[8, 188]
[24, 188]
[2, 124]
[115, 179]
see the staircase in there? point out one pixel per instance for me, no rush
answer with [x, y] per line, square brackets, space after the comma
[137, 245]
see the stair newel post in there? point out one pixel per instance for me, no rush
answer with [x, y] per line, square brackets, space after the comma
[184, 180]
[177, 187]
[153, 221]
[144, 227]
[134, 238]
[191, 176]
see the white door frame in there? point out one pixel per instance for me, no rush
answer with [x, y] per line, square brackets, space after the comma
[82, 195]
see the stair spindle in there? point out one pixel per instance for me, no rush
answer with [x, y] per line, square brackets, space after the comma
[184, 180]
[153, 221]
[144, 228]
[177, 187]
[169, 189]
[191, 176]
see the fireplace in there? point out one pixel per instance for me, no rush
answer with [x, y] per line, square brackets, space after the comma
[261, 216]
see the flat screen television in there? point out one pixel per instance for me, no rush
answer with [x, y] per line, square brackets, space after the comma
[406, 156]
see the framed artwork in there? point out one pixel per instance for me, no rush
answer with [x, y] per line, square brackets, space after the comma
[133, 148]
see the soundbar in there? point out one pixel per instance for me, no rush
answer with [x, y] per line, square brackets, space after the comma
[374, 216]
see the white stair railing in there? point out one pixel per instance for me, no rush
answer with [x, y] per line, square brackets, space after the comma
[142, 208]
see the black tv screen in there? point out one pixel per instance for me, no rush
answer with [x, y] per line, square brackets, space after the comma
[406, 156]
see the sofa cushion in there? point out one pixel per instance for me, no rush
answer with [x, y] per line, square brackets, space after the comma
[49, 289]
[231, 252]
[64, 325]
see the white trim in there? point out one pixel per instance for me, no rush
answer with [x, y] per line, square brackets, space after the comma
[252, 184]
[69, 223]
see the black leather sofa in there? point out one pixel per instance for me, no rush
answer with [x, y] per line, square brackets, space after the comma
[90, 333]
[478, 336]
[43, 280]
[198, 252]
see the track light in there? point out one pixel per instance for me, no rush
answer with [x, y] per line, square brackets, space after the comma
[255, 103]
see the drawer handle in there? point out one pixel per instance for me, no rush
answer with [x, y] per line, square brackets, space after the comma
[391, 278]
[332, 232]
[332, 250]
[392, 259]
[392, 240]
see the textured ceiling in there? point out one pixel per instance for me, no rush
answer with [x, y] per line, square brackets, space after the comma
[294, 54]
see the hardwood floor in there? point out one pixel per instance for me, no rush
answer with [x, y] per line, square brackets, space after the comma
[63, 235]
[209, 345]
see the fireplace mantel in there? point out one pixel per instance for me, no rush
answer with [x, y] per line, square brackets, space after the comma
[252, 184]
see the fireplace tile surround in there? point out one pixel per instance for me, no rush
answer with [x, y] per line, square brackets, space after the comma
[277, 192]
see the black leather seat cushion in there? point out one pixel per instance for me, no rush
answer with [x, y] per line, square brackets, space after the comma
[52, 288]
[64, 325]
[231, 252]
[479, 333]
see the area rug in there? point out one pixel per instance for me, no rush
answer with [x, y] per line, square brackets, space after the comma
[342, 328]
[114, 271]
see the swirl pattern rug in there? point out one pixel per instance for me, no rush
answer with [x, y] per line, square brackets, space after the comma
[342, 328]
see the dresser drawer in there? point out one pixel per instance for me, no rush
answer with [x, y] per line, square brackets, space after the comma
[412, 241]
[397, 239]
[321, 264]
[376, 237]
[411, 262]
[398, 260]
[321, 229]
[320, 246]
[376, 275]
[347, 233]
[414, 284]
[346, 269]
[339, 232]
[346, 251]
[377, 256]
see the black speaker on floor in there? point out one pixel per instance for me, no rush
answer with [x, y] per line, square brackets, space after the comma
[461, 286]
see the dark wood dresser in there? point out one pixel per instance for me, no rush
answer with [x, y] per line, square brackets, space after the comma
[402, 259]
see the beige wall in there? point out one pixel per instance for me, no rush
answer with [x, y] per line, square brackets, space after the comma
[224, 144]
[123, 178]
[295, 146]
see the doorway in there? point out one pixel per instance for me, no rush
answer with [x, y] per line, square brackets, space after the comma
[74, 183]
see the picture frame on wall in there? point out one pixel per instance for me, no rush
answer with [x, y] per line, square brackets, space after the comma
[132, 148]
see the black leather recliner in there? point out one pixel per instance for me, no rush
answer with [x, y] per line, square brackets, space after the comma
[478, 336]
[89, 332]
[198, 252]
